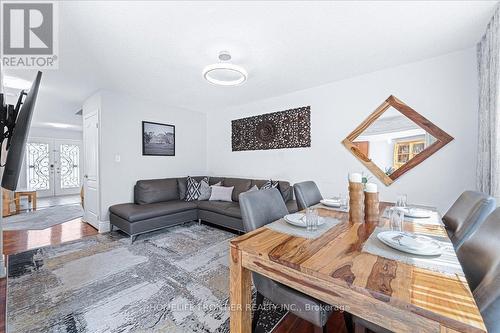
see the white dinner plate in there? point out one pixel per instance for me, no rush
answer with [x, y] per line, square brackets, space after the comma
[331, 202]
[418, 213]
[410, 243]
[299, 219]
[414, 212]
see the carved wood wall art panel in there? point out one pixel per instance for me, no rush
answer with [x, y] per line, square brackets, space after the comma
[284, 129]
[394, 139]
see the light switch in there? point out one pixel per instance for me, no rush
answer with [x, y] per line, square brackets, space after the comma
[117, 158]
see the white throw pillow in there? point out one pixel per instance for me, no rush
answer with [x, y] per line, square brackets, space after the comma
[221, 193]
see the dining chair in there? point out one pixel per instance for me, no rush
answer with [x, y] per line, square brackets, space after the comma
[480, 259]
[307, 194]
[259, 208]
[466, 215]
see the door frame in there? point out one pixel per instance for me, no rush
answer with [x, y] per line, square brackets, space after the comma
[92, 218]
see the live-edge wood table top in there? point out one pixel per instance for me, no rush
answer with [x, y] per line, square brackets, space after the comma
[332, 268]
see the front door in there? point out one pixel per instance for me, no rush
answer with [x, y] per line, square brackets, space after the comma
[53, 166]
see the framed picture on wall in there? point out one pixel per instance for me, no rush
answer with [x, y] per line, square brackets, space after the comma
[158, 139]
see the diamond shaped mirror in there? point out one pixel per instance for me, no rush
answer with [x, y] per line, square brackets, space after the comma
[394, 139]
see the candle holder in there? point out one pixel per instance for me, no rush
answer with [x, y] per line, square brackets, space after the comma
[372, 209]
[356, 202]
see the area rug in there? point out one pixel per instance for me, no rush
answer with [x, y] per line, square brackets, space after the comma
[42, 218]
[174, 280]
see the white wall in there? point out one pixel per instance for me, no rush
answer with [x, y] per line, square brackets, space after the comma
[55, 133]
[443, 89]
[121, 134]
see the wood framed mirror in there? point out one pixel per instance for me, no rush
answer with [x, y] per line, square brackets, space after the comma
[394, 139]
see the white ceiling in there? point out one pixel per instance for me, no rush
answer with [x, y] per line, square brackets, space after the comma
[157, 50]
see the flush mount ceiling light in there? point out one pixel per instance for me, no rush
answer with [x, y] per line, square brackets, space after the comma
[223, 73]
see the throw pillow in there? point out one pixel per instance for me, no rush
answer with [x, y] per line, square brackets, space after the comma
[205, 190]
[270, 184]
[193, 188]
[221, 193]
[253, 188]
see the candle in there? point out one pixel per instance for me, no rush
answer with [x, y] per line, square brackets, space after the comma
[355, 178]
[371, 188]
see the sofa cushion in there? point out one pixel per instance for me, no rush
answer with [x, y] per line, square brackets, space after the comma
[240, 185]
[286, 190]
[291, 205]
[133, 212]
[215, 180]
[221, 207]
[155, 190]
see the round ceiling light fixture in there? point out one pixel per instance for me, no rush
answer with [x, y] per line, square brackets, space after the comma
[223, 73]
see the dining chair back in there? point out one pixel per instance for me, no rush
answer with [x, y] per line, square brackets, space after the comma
[307, 194]
[487, 296]
[259, 208]
[467, 213]
[480, 259]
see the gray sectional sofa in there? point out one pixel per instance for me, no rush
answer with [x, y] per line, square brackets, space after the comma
[159, 203]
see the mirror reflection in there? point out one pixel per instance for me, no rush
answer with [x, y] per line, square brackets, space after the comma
[392, 140]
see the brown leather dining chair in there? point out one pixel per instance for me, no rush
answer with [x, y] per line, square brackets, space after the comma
[466, 215]
[259, 208]
[480, 259]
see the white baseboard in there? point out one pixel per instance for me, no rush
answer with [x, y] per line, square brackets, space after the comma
[104, 226]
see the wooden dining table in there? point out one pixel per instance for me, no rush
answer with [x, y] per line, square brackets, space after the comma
[333, 268]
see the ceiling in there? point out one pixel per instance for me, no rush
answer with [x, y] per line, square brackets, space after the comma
[157, 50]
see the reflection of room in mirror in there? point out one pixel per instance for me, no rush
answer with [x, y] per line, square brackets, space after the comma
[392, 140]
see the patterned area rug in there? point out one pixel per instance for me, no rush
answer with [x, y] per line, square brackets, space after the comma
[174, 280]
[42, 218]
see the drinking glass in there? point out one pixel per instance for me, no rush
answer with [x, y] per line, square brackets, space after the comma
[396, 219]
[344, 202]
[311, 219]
[402, 200]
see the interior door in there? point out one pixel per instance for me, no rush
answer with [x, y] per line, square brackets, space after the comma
[40, 166]
[91, 170]
[68, 158]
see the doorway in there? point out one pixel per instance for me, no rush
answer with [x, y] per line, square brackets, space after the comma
[53, 167]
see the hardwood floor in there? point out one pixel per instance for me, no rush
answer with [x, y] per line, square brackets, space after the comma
[22, 240]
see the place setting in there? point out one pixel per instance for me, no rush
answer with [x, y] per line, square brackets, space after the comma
[425, 251]
[308, 225]
[414, 213]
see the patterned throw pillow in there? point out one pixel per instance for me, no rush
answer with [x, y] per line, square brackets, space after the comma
[270, 184]
[193, 188]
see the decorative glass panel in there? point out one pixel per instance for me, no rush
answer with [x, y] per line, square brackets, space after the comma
[70, 166]
[38, 166]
